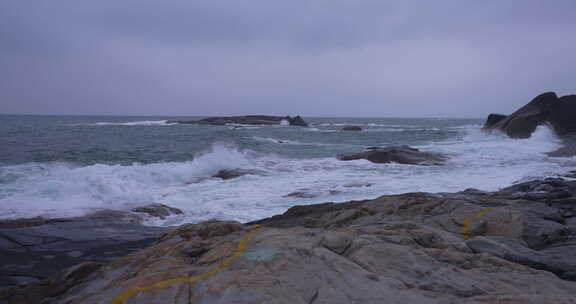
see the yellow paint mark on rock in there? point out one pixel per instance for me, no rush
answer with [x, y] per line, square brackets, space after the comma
[240, 248]
[465, 230]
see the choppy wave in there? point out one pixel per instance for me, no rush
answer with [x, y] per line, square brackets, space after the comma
[286, 141]
[478, 160]
[63, 189]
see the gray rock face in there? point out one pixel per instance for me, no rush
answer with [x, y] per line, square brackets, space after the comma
[246, 120]
[470, 247]
[401, 155]
[492, 120]
[562, 115]
[545, 109]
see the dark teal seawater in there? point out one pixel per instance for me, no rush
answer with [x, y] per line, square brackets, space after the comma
[58, 166]
[87, 140]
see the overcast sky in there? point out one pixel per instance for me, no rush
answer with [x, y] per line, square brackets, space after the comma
[375, 58]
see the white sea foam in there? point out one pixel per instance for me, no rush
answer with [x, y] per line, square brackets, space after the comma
[478, 160]
[287, 141]
[61, 189]
[277, 141]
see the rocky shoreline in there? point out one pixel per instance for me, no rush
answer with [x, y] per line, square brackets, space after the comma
[516, 245]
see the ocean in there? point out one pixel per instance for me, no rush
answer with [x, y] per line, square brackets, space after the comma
[60, 166]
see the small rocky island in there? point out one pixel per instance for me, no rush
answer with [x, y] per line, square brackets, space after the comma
[246, 120]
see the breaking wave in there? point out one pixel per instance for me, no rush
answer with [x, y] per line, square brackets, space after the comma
[477, 160]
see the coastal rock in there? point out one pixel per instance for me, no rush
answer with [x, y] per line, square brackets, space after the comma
[158, 210]
[568, 148]
[309, 193]
[523, 122]
[246, 120]
[562, 115]
[297, 121]
[492, 120]
[351, 128]
[35, 251]
[545, 109]
[412, 248]
[234, 173]
[401, 155]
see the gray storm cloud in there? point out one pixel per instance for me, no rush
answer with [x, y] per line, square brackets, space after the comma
[315, 58]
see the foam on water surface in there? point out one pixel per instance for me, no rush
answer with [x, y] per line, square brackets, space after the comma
[477, 160]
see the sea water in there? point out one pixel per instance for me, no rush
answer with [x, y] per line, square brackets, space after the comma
[58, 166]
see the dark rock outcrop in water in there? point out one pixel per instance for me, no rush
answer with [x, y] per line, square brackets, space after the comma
[400, 155]
[158, 210]
[33, 249]
[246, 120]
[568, 148]
[545, 109]
[234, 173]
[351, 128]
[517, 245]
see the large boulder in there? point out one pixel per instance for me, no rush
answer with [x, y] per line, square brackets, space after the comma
[545, 109]
[523, 122]
[400, 155]
[246, 120]
[562, 115]
[471, 247]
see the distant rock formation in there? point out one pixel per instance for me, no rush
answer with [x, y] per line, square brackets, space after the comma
[351, 128]
[400, 155]
[545, 109]
[246, 120]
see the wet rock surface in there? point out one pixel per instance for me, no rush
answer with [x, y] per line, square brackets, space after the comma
[158, 210]
[235, 173]
[310, 193]
[516, 245]
[33, 249]
[246, 120]
[400, 155]
[568, 148]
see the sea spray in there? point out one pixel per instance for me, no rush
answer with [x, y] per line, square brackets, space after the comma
[121, 166]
